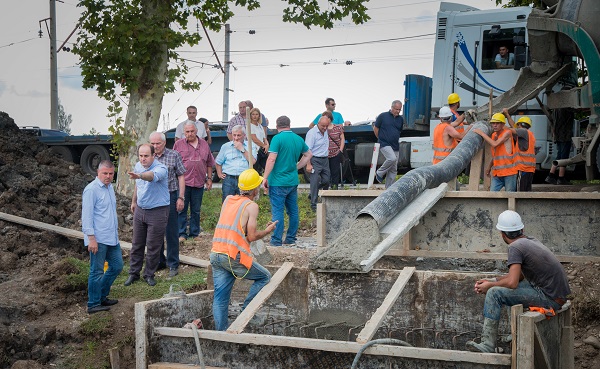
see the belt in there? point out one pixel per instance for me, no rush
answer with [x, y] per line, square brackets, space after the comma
[559, 301]
[320, 157]
[229, 175]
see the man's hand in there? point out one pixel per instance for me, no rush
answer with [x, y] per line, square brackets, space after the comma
[179, 205]
[208, 184]
[483, 285]
[309, 168]
[271, 226]
[132, 207]
[238, 145]
[265, 185]
[134, 175]
[93, 245]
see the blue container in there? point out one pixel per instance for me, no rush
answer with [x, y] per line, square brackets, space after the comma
[417, 108]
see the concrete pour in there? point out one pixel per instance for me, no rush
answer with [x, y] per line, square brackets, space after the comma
[350, 248]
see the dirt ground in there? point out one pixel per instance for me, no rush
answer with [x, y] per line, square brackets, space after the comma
[43, 313]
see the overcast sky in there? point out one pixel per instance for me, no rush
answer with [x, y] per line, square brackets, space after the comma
[275, 67]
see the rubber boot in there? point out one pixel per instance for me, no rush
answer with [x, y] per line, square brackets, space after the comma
[488, 337]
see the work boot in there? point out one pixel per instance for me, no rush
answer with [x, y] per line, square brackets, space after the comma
[550, 180]
[132, 278]
[562, 181]
[488, 337]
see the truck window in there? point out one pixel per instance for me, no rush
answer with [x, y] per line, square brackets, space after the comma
[498, 38]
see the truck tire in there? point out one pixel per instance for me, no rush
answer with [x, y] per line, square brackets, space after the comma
[63, 152]
[404, 155]
[91, 158]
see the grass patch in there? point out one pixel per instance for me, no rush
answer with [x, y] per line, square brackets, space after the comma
[96, 325]
[80, 278]
[211, 208]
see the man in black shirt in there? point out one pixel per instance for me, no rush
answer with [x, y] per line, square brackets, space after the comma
[535, 278]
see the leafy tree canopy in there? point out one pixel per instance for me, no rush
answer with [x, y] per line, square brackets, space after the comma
[513, 3]
[120, 40]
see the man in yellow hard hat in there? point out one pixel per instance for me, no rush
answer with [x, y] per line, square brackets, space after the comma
[230, 256]
[525, 150]
[454, 105]
[502, 168]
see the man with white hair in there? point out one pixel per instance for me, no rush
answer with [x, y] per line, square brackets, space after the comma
[232, 160]
[172, 160]
[535, 278]
[199, 163]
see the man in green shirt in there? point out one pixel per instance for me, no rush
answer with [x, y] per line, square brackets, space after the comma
[281, 179]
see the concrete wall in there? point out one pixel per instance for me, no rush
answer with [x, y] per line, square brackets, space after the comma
[568, 223]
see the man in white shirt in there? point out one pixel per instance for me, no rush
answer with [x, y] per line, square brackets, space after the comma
[504, 59]
[317, 140]
[202, 125]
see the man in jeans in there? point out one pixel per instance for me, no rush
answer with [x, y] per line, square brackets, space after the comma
[101, 236]
[172, 160]
[387, 129]
[281, 179]
[535, 278]
[232, 161]
[230, 256]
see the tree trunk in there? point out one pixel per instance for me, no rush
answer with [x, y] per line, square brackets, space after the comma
[145, 103]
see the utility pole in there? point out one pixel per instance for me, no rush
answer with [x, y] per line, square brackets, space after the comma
[226, 79]
[53, 68]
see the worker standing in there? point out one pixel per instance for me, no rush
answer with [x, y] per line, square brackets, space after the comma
[230, 256]
[387, 129]
[525, 151]
[535, 278]
[445, 137]
[454, 105]
[502, 167]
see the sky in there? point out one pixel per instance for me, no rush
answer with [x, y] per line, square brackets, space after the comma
[284, 69]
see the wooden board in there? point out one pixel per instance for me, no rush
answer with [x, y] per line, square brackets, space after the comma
[79, 235]
[515, 311]
[341, 346]
[374, 323]
[242, 320]
[180, 366]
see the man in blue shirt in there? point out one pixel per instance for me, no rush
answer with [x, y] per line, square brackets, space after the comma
[232, 161]
[101, 236]
[317, 140]
[281, 179]
[387, 129]
[330, 106]
[150, 207]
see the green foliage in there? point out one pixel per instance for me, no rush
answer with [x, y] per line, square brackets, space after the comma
[122, 140]
[514, 3]
[81, 277]
[64, 119]
[97, 325]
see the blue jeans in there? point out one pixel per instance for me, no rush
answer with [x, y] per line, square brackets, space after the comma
[171, 234]
[525, 294]
[223, 270]
[229, 186]
[280, 197]
[508, 182]
[193, 200]
[99, 282]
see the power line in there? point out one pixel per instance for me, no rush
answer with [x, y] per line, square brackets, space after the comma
[18, 42]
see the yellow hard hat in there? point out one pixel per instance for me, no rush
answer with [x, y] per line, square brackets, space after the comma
[525, 119]
[249, 180]
[453, 98]
[498, 117]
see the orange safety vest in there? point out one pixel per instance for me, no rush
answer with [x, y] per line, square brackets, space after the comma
[440, 150]
[461, 127]
[503, 162]
[525, 160]
[229, 237]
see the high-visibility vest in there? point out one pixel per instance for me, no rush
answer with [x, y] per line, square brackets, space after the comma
[461, 127]
[229, 237]
[503, 161]
[440, 150]
[525, 160]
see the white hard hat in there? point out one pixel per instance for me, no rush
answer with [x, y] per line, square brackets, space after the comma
[445, 112]
[509, 221]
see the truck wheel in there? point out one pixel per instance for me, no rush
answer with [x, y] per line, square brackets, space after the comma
[91, 158]
[63, 152]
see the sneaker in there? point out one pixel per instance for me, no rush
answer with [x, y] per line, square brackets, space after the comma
[109, 302]
[378, 178]
[274, 245]
[550, 180]
[290, 244]
[562, 181]
[97, 309]
[173, 272]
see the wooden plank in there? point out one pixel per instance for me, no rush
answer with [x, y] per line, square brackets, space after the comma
[340, 346]
[79, 235]
[540, 354]
[525, 195]
[373, 324]
[512, 204]
[567, 337]
[164, 365]
[114, 357]
[487, 158]
[475, 171]
[321, 225]
[242, 320]
[515, 311]
[481, 255]
[525, 342]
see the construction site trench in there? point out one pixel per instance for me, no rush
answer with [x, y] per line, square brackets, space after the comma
[43, 313]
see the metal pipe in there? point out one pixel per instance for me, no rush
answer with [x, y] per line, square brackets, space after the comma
[407, 188]
[566, 162]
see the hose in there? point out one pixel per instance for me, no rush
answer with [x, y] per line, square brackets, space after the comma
[375, 342]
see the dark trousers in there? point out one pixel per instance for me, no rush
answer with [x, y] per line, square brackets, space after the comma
[319, 179]
[524, 181]
[334, 168]
[172, 236]
[149, 226]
